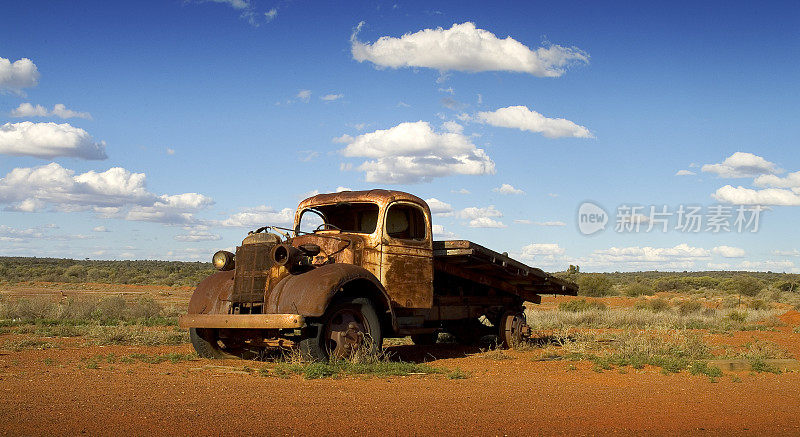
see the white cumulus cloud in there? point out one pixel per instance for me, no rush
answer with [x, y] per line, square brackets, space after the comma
[522, 118]
[14, 76]
[260, 216]
[59, 110]
[438, 207]
[482, 217]
[792, 180]
[685, 173]
[412, 152]
[507, 189]
[440, 233]
[748, 196]
[476, 212]
[742, 165]
[485, 222]
[464, 47]
[729, 252]
[48, 140]
[115, 192]
[636, 254]
[540, 250]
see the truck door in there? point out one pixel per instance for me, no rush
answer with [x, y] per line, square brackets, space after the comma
[407, 256]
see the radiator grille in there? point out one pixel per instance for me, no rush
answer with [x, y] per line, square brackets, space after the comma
[252, 272]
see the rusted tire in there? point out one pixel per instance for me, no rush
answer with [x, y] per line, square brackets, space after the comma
[347, 325]
[208, 344]
[425, 339]
[511, 326]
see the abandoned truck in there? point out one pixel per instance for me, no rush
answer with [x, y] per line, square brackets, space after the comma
[356, 266]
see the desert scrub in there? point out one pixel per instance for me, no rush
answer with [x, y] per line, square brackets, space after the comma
[703, 368]
[656, 305]
[690, 307]
[635, 289]
[595, 285]
[581, 305]
[640, 318]
[110, 310]
[136, 335]
[757, 350]
[671, 350]
[758, 365]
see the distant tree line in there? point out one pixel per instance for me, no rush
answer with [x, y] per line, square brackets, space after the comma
[650, 282]
[169, 273]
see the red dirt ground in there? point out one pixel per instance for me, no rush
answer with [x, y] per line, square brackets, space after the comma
[61, 396]
[52, 392]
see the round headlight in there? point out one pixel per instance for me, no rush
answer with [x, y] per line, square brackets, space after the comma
[223, 260]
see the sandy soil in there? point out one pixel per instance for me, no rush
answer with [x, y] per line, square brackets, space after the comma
[53, 392]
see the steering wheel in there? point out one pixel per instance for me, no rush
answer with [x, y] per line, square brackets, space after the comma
[324, 226]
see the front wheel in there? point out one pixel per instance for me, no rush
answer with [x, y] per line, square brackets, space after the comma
[347, 326]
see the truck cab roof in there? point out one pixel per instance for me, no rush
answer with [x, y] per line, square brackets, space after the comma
[380, 197]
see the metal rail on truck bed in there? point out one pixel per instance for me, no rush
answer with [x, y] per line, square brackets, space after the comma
[474, 262]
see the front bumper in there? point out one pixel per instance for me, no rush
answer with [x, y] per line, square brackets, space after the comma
[242, 321]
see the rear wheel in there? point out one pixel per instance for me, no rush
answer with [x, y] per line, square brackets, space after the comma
[512, 328]
[346, 326]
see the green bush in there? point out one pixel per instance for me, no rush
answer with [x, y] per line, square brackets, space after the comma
[594, 284]
[758, 304]
[635, 289]
[738, 316]
[581, 305]
[791, 286]
[690, 307]
[655, 305]
[671, 283]
[745, 285]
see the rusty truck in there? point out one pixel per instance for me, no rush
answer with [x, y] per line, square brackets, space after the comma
[358, 266]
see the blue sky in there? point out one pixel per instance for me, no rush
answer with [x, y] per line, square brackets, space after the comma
[215, 117]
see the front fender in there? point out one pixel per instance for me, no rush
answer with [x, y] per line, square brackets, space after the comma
[210, 292]
[310, 293]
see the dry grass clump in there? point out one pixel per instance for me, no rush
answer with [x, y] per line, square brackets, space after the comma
[646, 317]
[135, 335]
[671, 350]
[363, 361]
[110, 310]
[579, 305]
[756, 350]
[27, 343]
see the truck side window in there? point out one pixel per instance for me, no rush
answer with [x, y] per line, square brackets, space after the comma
[405, 222]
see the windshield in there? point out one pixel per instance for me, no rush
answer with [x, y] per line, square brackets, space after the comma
[360, 218]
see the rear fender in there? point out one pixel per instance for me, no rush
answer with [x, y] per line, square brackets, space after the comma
[310, 293]
[210, 293]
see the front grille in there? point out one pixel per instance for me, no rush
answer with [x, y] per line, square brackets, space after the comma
[252, 273]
